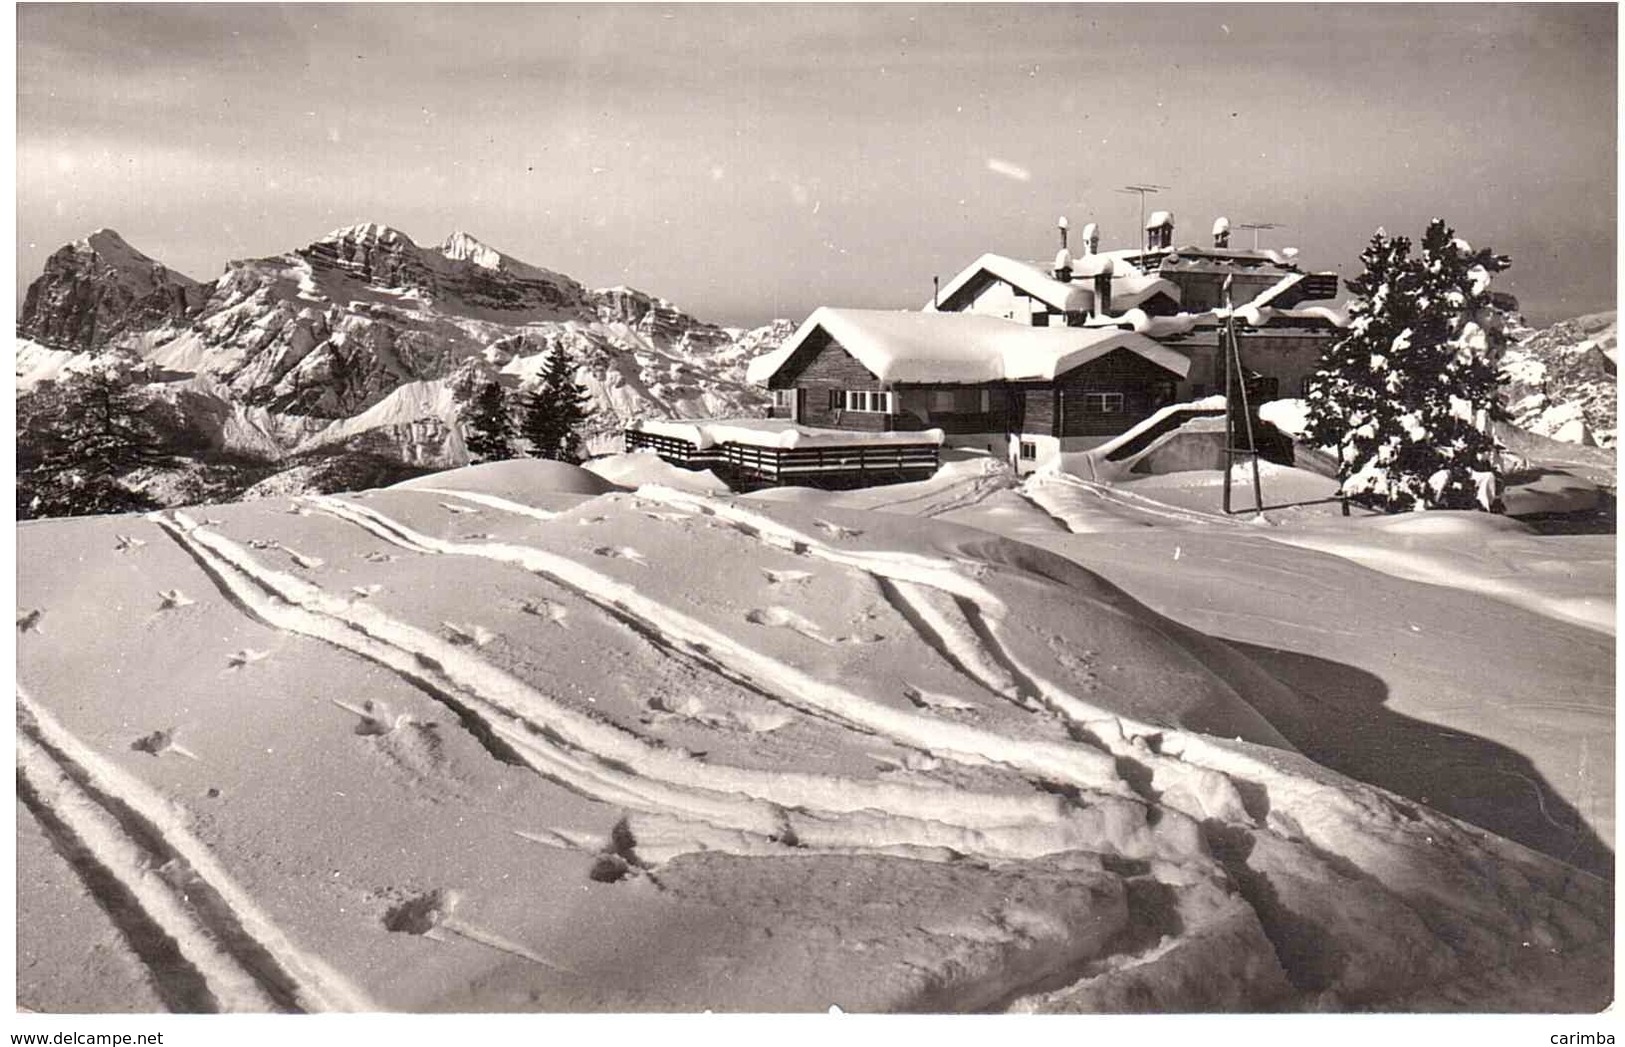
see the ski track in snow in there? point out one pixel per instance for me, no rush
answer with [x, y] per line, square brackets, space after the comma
[158, 881]
[490, 501]
[602, 761]
[1190, 776]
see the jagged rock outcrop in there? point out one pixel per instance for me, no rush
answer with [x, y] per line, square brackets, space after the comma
[97, 291]
[1561, 380]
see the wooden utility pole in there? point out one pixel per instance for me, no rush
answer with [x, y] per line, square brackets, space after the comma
[1235, 387]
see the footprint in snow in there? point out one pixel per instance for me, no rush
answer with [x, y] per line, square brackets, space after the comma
[159, 742]
[931, 700]
[785, 577]
[364, 591]
[297, 510]
[374, 718]
[127, 543]
[170, 599]
[835, 530]
[620, 552]
[377, 557]
[263, 543]
[784, 618]
[460, 509]
[910, 761]
[28, 621]
[469, 635]
[546, 610]
[665, 517]
[430, 915]
[307, 562]
[476, 536]
[246, 656]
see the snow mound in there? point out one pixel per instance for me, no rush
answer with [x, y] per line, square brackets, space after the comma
[516, 478]
[1289, 416]
[646, 467]
[381, 727]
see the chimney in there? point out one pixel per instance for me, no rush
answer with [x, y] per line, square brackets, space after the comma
[1091, 239]
[1103, 289]
[1063, 265]
[1221, 232]
[1159, 230]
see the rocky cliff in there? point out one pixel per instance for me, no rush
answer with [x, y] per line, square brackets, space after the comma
[100, 291]
[1561, 380]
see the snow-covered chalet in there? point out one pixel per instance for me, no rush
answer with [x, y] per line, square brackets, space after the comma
[1028, 359]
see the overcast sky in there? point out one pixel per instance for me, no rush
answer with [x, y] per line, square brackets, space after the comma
[753, 161]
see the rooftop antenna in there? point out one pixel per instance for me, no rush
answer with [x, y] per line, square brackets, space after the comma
[1256, 226]
[1235, 385]
[935, 291]
[1142, 188]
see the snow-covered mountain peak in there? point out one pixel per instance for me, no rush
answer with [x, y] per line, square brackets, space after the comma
[463, 247]
[105, 240]
[367, 233]
[115, 251]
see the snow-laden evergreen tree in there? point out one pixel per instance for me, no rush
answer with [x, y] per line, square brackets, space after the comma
[552, 415]
[1408, 395]
[488, 428]
[79, 440]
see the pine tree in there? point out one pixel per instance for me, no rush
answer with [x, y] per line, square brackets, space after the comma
[552, 415]
[79, 441]
[488, 427]
[1407, 396]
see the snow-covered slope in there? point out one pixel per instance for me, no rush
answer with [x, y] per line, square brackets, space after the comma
[466, 744]
[327, 337]
[1562, 380]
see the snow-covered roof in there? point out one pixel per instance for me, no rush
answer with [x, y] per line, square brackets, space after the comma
[1025, 277]
[961, 347]
[1133, 288]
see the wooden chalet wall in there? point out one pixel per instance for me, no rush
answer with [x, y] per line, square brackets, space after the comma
[1144, 386]
[820, 368]
[824, 371]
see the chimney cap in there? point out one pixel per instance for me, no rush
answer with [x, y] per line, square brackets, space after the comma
[1061, 221]
[1221, 225]
[1063, 260]
[1159, 219]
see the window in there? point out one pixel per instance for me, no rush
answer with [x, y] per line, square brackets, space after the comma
[942, 400]
[986, 401]
[1040, 319]
[837, 400]
[869, 401]
[784, 399]
[1102, 403]
[1029, 451]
